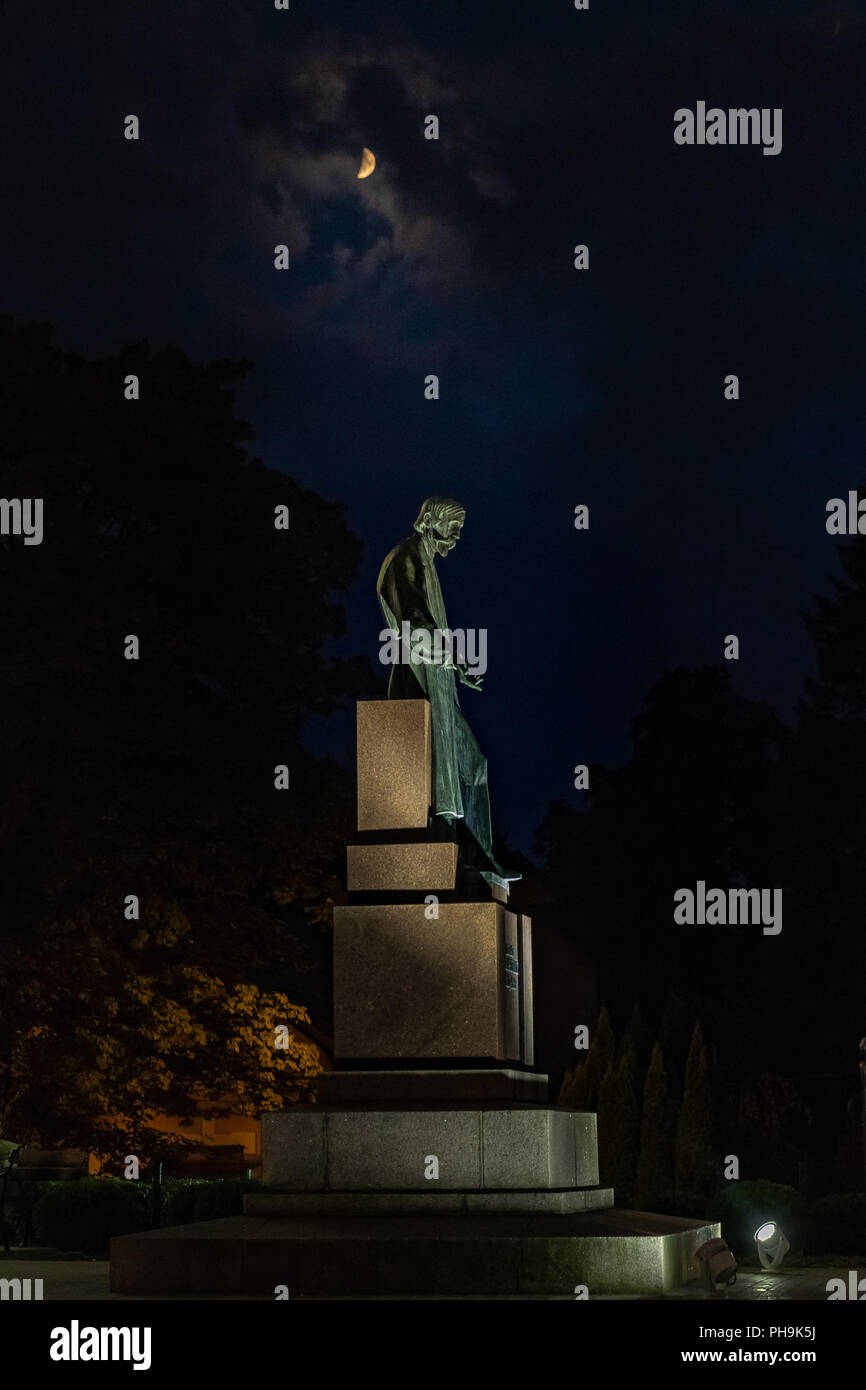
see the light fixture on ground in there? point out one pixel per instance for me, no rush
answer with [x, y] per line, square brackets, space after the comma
[718, 1266]
[772, 1245]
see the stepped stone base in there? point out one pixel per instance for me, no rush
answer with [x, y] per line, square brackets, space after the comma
[610, 1252]
[477, 1146]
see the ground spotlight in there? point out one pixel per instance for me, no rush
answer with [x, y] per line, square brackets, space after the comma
[772, 1245]
[718, 1266]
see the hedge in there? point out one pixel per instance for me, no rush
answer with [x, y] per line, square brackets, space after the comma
[85, 1214]
[837, 1225]
[200, 1199]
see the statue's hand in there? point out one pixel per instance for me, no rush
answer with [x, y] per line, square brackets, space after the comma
[471, 680]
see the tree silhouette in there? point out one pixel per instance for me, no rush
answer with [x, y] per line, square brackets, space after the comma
[826, 821]
[581, 1087]
[637, 1045]
[675, 1032]
[154, 777]
[621, 1117]
[697, 1166]
[655, 1171]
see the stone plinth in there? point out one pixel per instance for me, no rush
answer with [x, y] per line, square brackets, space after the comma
[555, 1202]
[394, 761]
[476, 1147]
[465, 1255]
[406, 868]
[409, 986]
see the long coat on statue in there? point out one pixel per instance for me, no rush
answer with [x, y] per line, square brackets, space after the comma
[409, 592]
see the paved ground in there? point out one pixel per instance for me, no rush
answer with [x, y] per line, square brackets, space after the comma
[759, 1286]
[87, 1280]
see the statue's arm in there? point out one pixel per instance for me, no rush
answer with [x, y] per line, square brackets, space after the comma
[403, 591]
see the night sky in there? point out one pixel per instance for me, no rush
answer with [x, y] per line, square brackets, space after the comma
[558, 387]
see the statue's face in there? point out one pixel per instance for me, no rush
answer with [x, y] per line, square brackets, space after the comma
[444, 535]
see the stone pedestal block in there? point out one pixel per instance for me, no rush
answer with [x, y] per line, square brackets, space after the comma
[394, 762]
[409, 868]
[408, 986]
[481, 1148]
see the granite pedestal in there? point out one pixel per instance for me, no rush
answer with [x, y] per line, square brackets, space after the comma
[411, 986]
[433, 1161]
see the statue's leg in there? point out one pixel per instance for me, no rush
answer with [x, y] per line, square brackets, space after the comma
[447, 785]
[472, 766]
[446, 811]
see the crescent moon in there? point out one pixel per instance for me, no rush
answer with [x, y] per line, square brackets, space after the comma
[368, 163]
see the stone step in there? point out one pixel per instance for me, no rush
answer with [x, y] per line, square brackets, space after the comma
[560, 1202]
[613, 1251]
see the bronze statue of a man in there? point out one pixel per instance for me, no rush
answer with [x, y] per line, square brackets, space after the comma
[411, 602]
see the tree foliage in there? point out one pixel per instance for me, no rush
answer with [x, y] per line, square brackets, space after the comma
[697, 1165]
[655, 1171]
[155, 777]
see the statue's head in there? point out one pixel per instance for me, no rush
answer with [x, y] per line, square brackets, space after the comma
[440, 522]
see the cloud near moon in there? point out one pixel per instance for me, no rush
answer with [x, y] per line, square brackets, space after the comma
[386, 257]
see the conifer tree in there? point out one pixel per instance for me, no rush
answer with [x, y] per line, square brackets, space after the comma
[675, 1032]
[697, 1167]
[621, 1118]
[606, 1128]
[581, 1087]
[655, 1171]
[637, 1045]
[602, 1050]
